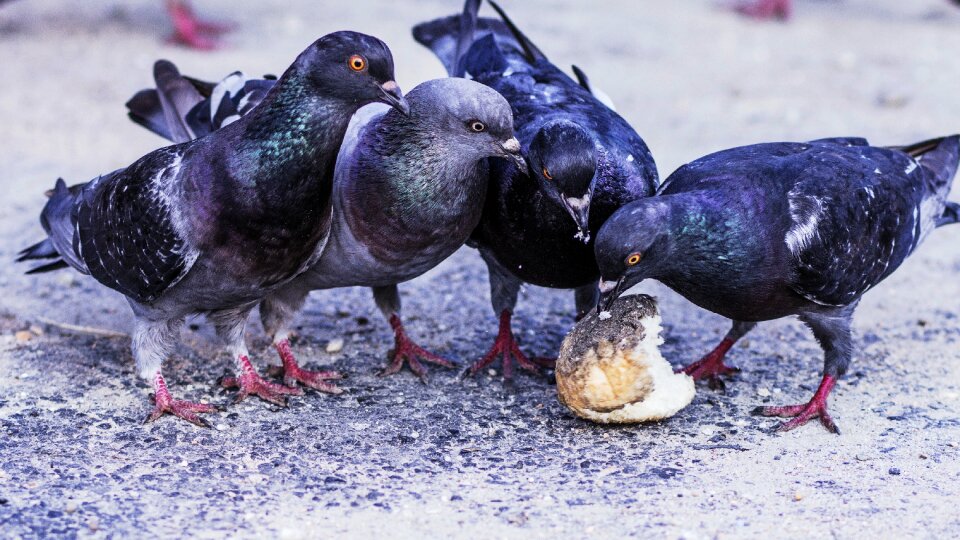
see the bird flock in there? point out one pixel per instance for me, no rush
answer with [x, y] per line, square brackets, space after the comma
[329, 176]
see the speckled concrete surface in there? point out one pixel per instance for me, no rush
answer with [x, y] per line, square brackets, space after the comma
[474, 458]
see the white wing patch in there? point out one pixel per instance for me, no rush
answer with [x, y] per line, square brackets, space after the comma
[910, 167]
[230, 85]
[805, 211]
[603, 97]
[163, 186]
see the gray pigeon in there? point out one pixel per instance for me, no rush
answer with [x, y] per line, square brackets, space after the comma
[407, 193]
[212, 225]
[767, 231]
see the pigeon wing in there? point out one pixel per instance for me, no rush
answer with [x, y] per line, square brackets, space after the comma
[851, 226]
[126, 228]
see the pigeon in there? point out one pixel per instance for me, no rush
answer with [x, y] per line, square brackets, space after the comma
[774, 9]
[766, 9]
[212, 225]
[188, 29]
[408, 191]
[584, 162]
[771, 230]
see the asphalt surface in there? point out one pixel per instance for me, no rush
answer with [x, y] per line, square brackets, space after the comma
[472, 457]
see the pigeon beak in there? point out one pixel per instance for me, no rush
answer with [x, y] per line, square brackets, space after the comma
[579, 209]
[510, 149]
[391, 95]
[609, 292]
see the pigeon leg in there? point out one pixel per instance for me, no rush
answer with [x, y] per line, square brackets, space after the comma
[230, 325]
[405, 349]
[153, 339]
[504, 289]
[711, 366]
[189, 30]
[765, 9]
[292, 373]
[276, 312]
[165, 404]
[832, 330]
[252, 384]
[801, 414]
[506, 347]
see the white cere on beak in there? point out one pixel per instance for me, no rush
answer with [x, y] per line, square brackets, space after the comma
[511, 145]
[390, 86]
[607, 286]
[579, 203]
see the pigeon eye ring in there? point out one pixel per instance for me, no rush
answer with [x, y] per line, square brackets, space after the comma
[633, 259]
[477, 126]
[357, 62]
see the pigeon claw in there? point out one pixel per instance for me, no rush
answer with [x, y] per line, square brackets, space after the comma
[190, 31]
[292, 373]
[711, 366]
[252, 384]
[405, 350]
[506, 346]
[187, 410]
[801, 414]
[765, 9]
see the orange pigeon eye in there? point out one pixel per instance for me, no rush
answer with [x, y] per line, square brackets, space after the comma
[357, 62]
[546, 174]
[633, 259]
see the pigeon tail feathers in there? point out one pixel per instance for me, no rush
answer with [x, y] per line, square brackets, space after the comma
[177, 97]
[531, 51]
[951, 214]
[56, 219]
[144, 108]
[468, 25]
[939, 156]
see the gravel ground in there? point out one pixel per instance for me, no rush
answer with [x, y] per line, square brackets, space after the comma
[474, 458]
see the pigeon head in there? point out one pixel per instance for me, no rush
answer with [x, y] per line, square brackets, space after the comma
[352, 67]
[475, 119]
[632, 246]
[563, 159]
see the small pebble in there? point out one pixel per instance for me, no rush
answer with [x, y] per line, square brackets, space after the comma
[335, 346]
[23, 336]
[604, 315]
[492, 372]
[798, 496]
[71, 507]
[222, 427]
[894, 471]
[763, 392]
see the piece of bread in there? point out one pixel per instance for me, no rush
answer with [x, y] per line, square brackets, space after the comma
[610, 369]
